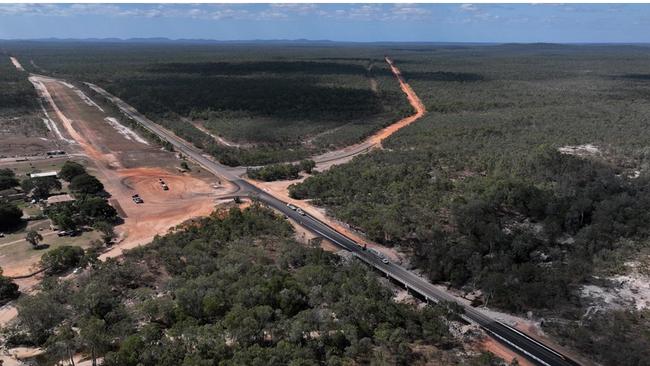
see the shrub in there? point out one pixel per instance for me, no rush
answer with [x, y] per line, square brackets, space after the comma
[62, 258]
[8, 289]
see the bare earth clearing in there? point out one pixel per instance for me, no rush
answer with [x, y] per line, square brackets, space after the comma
[127, 165]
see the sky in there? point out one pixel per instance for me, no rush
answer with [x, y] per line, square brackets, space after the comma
[561, 23]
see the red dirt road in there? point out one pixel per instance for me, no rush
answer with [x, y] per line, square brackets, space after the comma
[342, 156]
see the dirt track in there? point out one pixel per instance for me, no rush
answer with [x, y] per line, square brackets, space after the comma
[341, 156]
[127, 166]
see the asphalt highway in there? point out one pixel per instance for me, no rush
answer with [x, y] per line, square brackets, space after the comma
[531, 349]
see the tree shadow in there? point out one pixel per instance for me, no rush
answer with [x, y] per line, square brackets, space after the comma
[247, 68]
[12, 229]
[463, 77]
[639, 77]
[295, 98]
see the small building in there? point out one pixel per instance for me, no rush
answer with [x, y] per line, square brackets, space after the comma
[43, 174]
[59, 198]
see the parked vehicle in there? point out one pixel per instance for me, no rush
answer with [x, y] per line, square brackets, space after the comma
[301, 212]
[291, 206]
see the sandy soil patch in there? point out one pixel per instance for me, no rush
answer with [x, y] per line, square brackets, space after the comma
[128, 133]
[17, 64]
[220, 140]
[7, 313]
[580, 150]
[187, 198]
[501, 351]
[42, 91]
[630, 291]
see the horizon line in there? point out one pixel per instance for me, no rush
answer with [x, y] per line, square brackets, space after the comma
[304, 40]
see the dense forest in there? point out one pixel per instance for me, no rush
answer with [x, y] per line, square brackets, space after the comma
[522, 181]
[233, 289]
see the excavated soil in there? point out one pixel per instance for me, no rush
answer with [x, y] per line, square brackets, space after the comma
[128, 166]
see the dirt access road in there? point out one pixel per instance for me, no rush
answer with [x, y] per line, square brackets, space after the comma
[126, 164]
[341, 156]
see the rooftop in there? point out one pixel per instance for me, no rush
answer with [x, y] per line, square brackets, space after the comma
[60, 198]
[43, 174]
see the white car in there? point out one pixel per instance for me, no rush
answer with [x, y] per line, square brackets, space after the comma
[385, 261]
[301, 212]
[291, 206]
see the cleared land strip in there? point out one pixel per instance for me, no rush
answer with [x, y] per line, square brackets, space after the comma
[331, 158]
[127, 165]
[17, 64]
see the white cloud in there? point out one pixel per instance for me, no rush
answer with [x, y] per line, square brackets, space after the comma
[474, 13]
[469, 7]
[368, 12]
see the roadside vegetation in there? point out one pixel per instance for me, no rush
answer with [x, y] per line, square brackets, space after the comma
[233, 289]
[275, 172]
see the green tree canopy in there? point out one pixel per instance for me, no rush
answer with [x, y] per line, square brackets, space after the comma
[40, 187]
[86, 184]
[62, 258]
[71, 169]
[8, 179]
